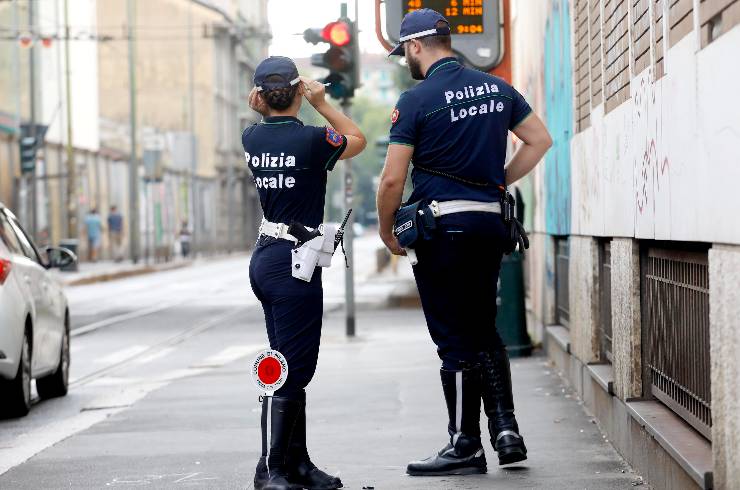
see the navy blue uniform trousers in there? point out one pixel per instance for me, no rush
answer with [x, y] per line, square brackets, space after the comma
[457, 276]
[293, 311]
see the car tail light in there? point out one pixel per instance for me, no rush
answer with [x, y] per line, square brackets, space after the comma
[5, 266]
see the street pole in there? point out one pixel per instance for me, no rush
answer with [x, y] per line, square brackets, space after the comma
[18, 92]
[193, 152]
[147, 221]
[133, 175]
[71, 166]
[230, 162]
[32, 116]
[349, 235]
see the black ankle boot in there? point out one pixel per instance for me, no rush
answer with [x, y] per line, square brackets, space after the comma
[463, 455]
[278, 420]
[300, 468]
[498, 403]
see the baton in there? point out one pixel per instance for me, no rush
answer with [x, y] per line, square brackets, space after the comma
[340, 232]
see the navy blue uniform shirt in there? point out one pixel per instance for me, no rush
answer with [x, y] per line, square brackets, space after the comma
[457, 120]
[289, 163]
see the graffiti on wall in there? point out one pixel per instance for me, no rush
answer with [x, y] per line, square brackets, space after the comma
[650, 162]
[559, 117]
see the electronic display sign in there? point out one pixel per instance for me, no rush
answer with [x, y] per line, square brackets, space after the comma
[475, 26]
[465, 16]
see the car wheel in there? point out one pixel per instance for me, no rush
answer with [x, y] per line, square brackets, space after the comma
[56, 384]
[17, 391]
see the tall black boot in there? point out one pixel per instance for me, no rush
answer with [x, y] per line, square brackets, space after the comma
[300, 468]
[463, 455]
[278, 420]
[498, 403]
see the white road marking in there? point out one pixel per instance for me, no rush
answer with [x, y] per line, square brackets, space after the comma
[31, 443]
[121, 355]
[154, 356]
[121, 396]
[229, 355]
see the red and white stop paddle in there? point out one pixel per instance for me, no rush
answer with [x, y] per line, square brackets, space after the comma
[269, 371]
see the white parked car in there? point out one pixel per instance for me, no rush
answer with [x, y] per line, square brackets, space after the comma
[34, 319]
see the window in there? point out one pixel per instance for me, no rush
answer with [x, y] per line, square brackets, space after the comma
[680, 18]
[7, 235]
[605, 301]
[595, 34]
[26, 245]
[562, 296]
[675, 329]
[640, 34]
[658, 35]
[582, 66]
[616, 53]
[717, 17]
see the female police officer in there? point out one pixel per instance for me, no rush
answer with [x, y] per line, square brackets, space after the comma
[289, 162]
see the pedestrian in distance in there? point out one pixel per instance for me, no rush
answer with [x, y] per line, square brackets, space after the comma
[115, 233]
[290, 162]
[454, 125]
[94, 227]
[185, 237]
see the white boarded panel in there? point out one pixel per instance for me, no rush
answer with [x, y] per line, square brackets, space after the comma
[619, 195]
[719, 124]
[682, 164]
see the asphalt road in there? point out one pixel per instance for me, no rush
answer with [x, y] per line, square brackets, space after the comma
[161, 397]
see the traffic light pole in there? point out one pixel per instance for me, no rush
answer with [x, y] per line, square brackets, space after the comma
[32, 121]
[133, 169]
[349, 235]
[71, 164]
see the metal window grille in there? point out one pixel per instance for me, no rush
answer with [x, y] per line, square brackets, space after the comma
[675, 287]
[605, 300]
[595, 34]
[640, 33]
[680, 18]
[582, 66]
[658, 36]
[616, 58]
[562, 259]
[717, 17]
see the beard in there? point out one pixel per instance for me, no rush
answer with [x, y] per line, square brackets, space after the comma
[414, 68]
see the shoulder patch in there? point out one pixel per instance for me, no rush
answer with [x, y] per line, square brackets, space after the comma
[394, 116]
[334, 138]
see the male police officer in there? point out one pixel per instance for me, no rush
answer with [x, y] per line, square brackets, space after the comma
[455, 124]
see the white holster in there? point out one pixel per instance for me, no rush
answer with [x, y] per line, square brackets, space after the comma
[314, 253]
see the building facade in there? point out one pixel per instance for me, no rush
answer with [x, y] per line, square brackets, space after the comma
[194, 61]
[635, 242]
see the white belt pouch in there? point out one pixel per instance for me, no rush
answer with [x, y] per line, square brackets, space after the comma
[316, 252]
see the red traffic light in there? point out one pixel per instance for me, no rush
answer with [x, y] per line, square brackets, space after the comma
[337, 33]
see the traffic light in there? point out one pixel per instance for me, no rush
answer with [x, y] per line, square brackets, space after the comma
[29, 146]
[30, 141]
[342, 59]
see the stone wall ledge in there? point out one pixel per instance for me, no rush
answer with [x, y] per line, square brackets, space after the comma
[690, 450]
[603, 374]
[663, 431]
[560, 335]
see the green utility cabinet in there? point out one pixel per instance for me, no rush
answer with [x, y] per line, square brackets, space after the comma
[511, 316]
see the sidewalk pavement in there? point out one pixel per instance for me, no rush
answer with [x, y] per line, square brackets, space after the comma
[108, 270]
[374, 404]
